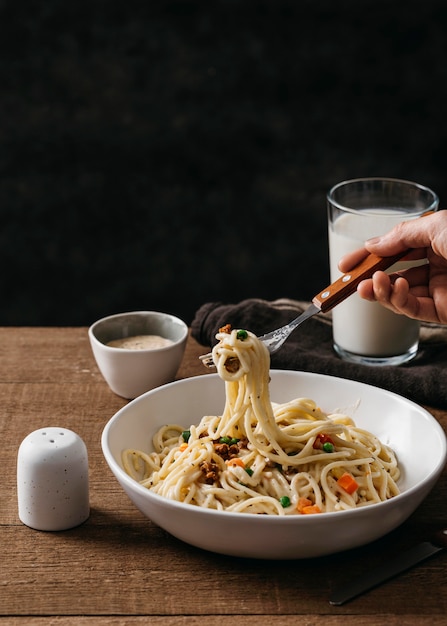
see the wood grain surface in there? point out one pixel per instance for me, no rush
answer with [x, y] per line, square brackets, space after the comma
[120, 568]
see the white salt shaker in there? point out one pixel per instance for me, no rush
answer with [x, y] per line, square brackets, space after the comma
[52, 479]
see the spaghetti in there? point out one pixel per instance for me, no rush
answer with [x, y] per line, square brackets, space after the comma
[265, 458]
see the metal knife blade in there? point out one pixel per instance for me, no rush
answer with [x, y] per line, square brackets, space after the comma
[391, 568]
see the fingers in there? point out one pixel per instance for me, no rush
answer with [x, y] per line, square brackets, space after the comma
[352, 259]
[379, 288]
[417, 234]
[395, 293]
[401, 299]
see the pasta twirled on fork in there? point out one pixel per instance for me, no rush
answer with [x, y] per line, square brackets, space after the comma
[265, 458]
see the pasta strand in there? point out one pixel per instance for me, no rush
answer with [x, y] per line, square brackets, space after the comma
[265, 458]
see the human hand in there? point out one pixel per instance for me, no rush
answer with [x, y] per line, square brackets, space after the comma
[418, 292]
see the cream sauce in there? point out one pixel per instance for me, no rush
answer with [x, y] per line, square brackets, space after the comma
[141, 342]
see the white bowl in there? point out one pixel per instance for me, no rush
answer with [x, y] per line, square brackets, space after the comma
[412, 432]
[128, 372]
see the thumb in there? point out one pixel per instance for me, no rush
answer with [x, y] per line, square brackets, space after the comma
[412, 234]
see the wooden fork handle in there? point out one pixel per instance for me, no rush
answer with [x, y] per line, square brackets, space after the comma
[347, 283]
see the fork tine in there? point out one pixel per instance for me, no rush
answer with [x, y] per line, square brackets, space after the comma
[207, 360]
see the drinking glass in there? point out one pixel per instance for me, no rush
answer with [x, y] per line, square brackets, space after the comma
[365, 332]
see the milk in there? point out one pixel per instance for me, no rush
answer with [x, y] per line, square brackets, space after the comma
[361, 327]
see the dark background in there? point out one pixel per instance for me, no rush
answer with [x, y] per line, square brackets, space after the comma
[159, 155]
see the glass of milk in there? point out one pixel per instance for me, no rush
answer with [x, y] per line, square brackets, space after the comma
[365, 332]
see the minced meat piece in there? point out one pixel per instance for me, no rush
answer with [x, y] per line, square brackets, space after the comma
[210, 470]
[242, 443]
[226, 451]
[232, 364]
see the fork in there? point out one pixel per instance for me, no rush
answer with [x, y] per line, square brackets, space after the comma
[324, 301]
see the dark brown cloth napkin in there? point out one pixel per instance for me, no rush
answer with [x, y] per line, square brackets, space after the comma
[309, 348]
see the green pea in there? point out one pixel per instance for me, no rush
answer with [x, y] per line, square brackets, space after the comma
[328, 447]
[242, 334]
[224, 440]
[285, 501]
[186, 434]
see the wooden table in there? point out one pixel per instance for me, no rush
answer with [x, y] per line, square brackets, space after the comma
[119, 568]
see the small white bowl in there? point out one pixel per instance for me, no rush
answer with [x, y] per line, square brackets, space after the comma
[131, 372]
[414, 434]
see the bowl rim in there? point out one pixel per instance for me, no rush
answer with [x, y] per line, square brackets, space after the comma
[155, 314]
[122, 476]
